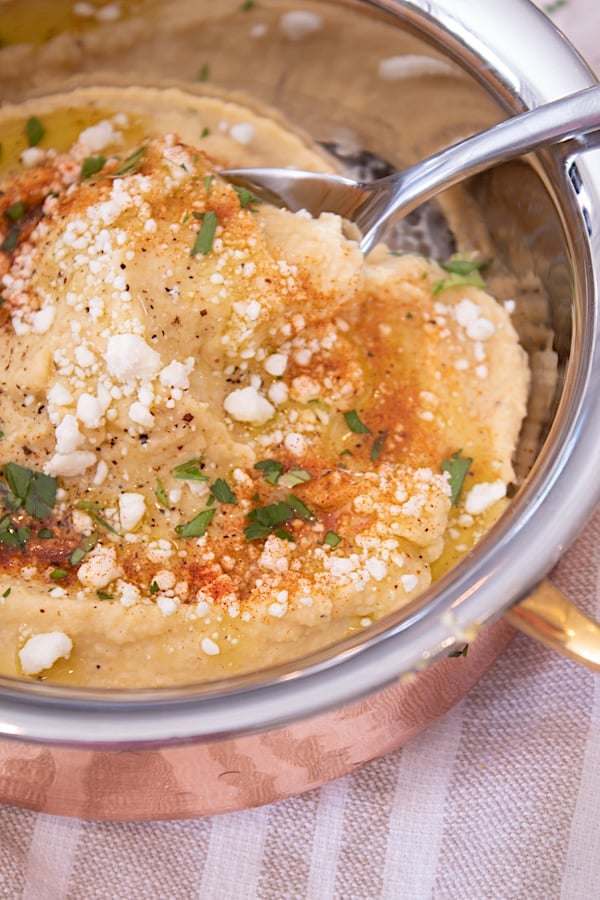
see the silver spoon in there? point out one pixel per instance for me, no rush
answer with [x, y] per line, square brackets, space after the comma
[372, 206]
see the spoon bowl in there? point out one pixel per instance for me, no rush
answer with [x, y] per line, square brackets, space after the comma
[373, 206]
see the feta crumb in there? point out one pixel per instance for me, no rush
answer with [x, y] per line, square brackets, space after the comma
[209, 647]
[409, 582]
[32, 156]
[99, 568]
[276, 364]
[299, 24]
[132, 508]
[482, 496]
[42, 650]
[242, 132]
[247, 405]
[167, 605]
[129, 358]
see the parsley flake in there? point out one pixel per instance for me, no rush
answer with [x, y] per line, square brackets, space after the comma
[34, 130]
[91, 165]
[6, 593]
[203, 72]
[59, 574]
[15, 212]
[457, 467]
[131, 164]
[300, 508]
[272, 469]
[378, 445]
[103, 595]
[331, 539]
[355, 424]
[161, 494]
[294, 476]
[197, 526]
[33, 490]
[190, 470]
[461, 271]
[206, 235]
[222, 492]
[247, 198]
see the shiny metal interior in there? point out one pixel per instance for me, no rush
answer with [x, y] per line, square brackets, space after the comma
[544, 219]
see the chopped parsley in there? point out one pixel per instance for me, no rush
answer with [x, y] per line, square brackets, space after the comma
[91, 165]
[88, 543]
[300, 508]
[206, 235]
[13, 535]
[6, 593]
[208, 180]
[197, 526]
[191, 470]
[203, 72]
[457, 467]
[293, 477]
[161, 494]
[59, 574]
[103, 595]
[11, 240]
[45, 534]
[247, 5]
[331, 539]
[154, 588]
[131, 164]
[378, 445]
[355, 424]
[15, 212]
[34, 491]
[266, 520]
[461, 271]
[34, 131]
[247, 198]
[272, 469]
[222, 492]
[205, 132]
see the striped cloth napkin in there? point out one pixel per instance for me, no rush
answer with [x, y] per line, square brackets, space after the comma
[497, 799]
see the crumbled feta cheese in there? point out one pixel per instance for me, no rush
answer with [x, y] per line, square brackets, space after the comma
[129, 358]
[247, 405]
[132, 508]
[209, 647]
[242, 132]
[42, 650]
[482, 496]
[300, 23]
[99, 568]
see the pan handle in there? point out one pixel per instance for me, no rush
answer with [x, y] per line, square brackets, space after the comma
[549, 617]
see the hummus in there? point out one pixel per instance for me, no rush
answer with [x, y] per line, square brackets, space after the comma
[227, 438]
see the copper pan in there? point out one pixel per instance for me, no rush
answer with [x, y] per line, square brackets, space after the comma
[206, 750]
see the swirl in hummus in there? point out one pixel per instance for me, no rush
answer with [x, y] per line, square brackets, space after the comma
[227, 438]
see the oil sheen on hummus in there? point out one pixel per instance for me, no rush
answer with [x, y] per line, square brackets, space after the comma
[227, 438]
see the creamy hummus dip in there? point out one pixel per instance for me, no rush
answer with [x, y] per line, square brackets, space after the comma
[227, 438]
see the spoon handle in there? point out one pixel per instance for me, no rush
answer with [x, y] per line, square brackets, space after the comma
[400, 193]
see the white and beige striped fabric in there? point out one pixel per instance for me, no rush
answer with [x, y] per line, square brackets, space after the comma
[500, 798]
